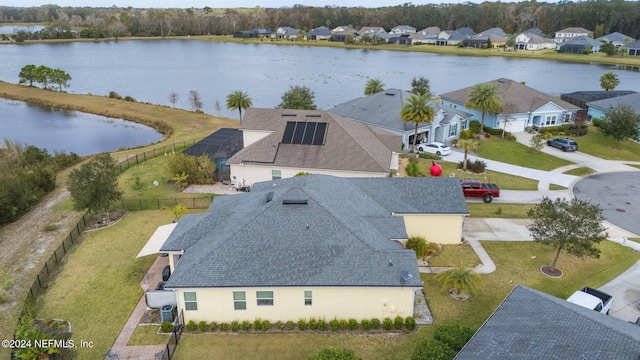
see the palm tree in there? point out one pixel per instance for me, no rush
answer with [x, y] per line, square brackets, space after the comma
[420, 86]
[238, 100]
[609, 81]
[417, 110]
[462, 280]
[486, 98]
[373, 86]
[467, 145]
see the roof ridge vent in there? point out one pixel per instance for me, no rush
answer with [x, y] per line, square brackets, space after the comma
[295, 201]
[269, 196]
[289, 114]
[313, 115]
[390, 94]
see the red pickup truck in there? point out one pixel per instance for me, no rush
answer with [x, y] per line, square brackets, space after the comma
[475, 188]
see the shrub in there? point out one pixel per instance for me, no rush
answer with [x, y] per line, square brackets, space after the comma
[114, 95]
[313, 324]
[375, 324]
[398, 323]
[302, 324]
[432, 349]
[129, 98]
[257, 323]
[166, 327]
[266, 325]
[474, 127]
[455, 336]
[235, 326]
[289, 325]
[245, 326]
[597, 122]
[322, 325]
[191, 326]
[353, 324]
[387, 324]
[202, 326]
[343, 324]
[224, 327]
[366, 324]
[465, 134]
[334, 325]
[509, 137]
[478, 166]
[417, 244]
[429, 156]
[335, 354]
[413, 169]
[213, 326]
[198, 169]
[433, 248]
[410, 323]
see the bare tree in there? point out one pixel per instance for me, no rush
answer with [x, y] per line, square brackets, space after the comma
[173, 98]
[217, 106]
[195, 100]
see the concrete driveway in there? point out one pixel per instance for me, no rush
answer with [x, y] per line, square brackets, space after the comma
[626, 294]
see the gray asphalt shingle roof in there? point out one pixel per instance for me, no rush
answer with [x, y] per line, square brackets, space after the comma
[530, 324]
[631, 100]
[340, 237]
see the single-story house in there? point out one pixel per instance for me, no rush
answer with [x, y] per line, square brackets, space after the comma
[382, 110]
[466, 31]
[372, 30]
[431, 30]
[536, 31]
[280, 143]
[312, 246]
[493, 31]
[633, 49]
[342, 36]
[617, 39]
[522, 107]
[532, 41]
[450, 37]
[286, 32]
[480, 41]
[320, 33]
[253, 33]
[571, 32]
[423, 38]
[404, 39]
[219, 146]
[530, 324]
[579, 45]
[340, 28]
[402, 29]
[581, 98]
[598, 109]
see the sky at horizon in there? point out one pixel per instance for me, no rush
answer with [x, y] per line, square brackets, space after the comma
[223, 3]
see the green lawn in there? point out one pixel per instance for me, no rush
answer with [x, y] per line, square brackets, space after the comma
[506, 181]
[596, 144]
[495, 210]
[581, 171]
[512, 152]
[455, 255]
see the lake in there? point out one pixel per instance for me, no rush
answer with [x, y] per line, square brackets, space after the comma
[150, 70]
[68, 130]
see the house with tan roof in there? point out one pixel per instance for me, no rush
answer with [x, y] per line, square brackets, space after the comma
[522, 107]
[533, 41]
[280, 143]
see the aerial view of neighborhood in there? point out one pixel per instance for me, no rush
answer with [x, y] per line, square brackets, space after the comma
[318, 182]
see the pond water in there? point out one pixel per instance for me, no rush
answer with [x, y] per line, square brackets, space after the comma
[69, 131]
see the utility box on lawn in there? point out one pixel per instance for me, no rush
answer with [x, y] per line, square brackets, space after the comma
[166, 313]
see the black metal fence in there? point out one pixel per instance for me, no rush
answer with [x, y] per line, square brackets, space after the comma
[152, 153]
[160, 204]
[172, 344]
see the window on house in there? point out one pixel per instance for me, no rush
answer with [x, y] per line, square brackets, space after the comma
[276, 174]
[308, 298]
[550, 120]
[453, 130]
[463, 125]
[265, 298]
[190, 301]
[239, 300]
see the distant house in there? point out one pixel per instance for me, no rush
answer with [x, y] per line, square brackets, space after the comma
[482, 41]
[404, 39]
[312, 246]
[633, 49]
[533, 41]
[219, 146]
[280, 143]
[423, 38]
[286, 32]
[535, 31]
[599, 108]
[581, 98]
[402, 29]
[571, 32]
[466, 31]
[431, 30]
[382, 110]
[450, 37]
[343, 35]
[372, 30]
[340, 28]
[522, 107]
[530, 324]
[253, 33]
[320, 33]
[493, 31]
[617, 39]
[579, 45]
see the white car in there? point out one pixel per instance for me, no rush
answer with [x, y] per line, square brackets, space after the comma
[437, 148]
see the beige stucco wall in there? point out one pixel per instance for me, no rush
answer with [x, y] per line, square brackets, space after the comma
[328, 303]
[442, 229]
[256, 173]
[251, 136]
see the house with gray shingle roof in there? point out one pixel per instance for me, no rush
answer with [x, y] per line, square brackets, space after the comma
[450, 37]
[372, 30]
[382, 110]
[579, 45]
[320, 33]
[312, 246]
[599, 108]
[280, 143]
[522, 107]
[286, 32]
[571, 32]
[633, 49]
[402, 29]
[530, 324]
[617, 39]
[533, 41]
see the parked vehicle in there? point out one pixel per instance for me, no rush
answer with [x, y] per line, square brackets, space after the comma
[437, 148]
[593, 299]
[166, 273]
[564, 144]
[476, 188]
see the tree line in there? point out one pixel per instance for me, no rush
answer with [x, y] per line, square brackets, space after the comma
[44, 75]
[602, 17]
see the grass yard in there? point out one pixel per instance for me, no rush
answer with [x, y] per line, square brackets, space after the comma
[512, 152]
[596, 144]
[455, 255]
[99, 285]
[581, 171]
[495, 210]
[147, 335]
[506, 181]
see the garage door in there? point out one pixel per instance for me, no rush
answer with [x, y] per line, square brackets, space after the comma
[516, 125]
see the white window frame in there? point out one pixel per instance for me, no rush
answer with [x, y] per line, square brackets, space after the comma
[308, 298]
[263, 298]
[276, 174]
[237, 301]
[550, 120]
[453, 130]
[190, 302]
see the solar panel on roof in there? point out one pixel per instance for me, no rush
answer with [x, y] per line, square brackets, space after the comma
[318, 138]
[298, 133]
[288, 132]
[308, 135]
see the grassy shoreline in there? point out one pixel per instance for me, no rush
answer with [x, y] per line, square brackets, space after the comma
[549, 55]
